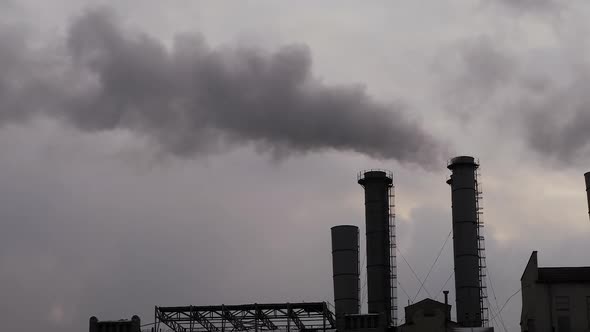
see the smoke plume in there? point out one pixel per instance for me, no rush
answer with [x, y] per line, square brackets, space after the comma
[544, 94]
[192, 99]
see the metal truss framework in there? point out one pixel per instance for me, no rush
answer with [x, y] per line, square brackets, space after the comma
[256, 317]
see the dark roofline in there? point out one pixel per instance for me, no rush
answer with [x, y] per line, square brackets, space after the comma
[564, 267]
[564, 275]
[429, 300]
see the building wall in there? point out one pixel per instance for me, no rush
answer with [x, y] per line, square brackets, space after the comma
[569, 302]
[365, 323]
[433, 321]
[546, 306]
[133, 325]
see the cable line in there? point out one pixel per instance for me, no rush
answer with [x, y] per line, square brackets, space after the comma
[505, 303]
[433, 264]
[413, 272]
[495, 299]
[445, 284]
[403, 290]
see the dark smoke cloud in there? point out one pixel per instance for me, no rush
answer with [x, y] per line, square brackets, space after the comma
[193, 99]
[542, 93]
[472, 72]
[558, 122]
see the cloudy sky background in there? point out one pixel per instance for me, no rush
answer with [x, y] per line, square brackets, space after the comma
[197, 152]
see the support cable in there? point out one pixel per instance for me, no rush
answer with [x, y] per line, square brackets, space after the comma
[414, 272]
[433, 265]
[492, 320]
[505, 303]
[403, 290]
[495, 299]
[445, 285]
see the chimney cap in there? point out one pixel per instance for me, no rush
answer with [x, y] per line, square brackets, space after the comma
[376, 175]
[462, 160]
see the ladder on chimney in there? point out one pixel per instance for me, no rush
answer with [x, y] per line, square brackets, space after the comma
[392, 256]
[483, 293]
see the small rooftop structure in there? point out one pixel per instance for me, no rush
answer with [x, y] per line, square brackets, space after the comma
[427, 315]
[123, 325]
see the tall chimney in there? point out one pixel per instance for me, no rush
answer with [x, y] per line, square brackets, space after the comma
[587, 178]
[465, 240]
[377, 186]
[346, 271]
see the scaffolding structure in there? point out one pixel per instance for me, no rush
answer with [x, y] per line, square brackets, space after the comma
[312, 316]
[483, 293]
[392, 256]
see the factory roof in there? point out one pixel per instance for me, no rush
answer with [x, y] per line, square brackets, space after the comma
[564, 274]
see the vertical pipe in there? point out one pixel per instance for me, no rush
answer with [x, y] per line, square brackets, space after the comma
[93, 324]
[587, 178]
[465, 241]
[288, 317]
[376, 185]
[156, 322]
[136, 323]
[346, 272]
[447, 310]
[256, 317]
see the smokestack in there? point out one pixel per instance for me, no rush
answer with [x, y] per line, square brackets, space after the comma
[346, 271]
[587, 178]
[447, 310]
[465, 240]
[380, 258]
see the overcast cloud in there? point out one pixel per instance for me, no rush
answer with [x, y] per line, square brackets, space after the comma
[140, 140]
[196, 99]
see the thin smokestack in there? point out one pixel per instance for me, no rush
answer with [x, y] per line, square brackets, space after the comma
[465, 240]
[377, 186]
[587, 178]
[346, 271]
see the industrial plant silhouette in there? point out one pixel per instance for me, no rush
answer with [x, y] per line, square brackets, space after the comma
[554, 299]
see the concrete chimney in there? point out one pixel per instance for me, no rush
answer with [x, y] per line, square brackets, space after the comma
[465, 240]
[377, 186]
[346, 271]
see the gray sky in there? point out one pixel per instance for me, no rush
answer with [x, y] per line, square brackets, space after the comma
[197, 152]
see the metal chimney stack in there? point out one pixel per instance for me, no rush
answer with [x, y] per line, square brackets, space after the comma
[380, 275]
[465, 240]
[587, 178]
[346, 271]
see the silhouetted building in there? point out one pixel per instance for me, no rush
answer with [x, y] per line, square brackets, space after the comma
[133, 325]
[555, 299]
[427, 316]
[366, 323]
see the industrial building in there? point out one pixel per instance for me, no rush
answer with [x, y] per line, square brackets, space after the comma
[381, 270]
[428, 314]
[554, 299]
[133, 325]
